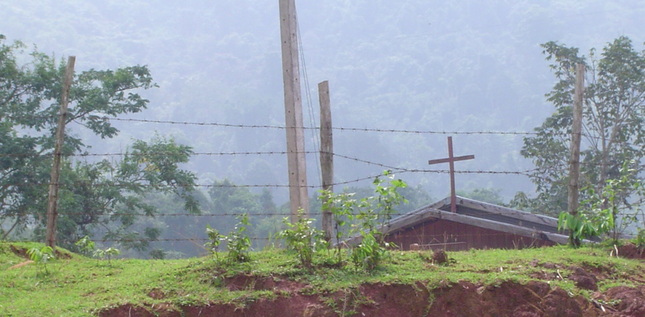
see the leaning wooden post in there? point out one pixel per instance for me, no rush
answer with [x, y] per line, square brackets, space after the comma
[576, 131]
[52, 205]
[326, 153]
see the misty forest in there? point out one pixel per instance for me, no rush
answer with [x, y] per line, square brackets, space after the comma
[176, 115]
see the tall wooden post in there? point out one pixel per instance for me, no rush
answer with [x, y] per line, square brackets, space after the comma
[298, 195]
[576, 131]
[326, 152]
[52, 205]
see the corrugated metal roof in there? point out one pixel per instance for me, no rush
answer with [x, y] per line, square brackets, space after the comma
[482, 210]
[462, 210]
[483, 215]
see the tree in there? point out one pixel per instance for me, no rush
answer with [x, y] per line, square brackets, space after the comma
[229, 201]
[108, 197]
[613, 130]
[93, 195]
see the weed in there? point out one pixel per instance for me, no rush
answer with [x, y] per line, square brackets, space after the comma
[351, 301]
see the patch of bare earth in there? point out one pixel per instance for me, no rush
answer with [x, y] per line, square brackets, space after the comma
[631, 251]
[261, 283]
[22, 252]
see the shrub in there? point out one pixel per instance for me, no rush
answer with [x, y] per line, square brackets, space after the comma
[304, 239]
[238, 241]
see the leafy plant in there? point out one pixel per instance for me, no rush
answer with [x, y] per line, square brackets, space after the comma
[238, 241]
[86, 245]
[341, 207]
[369, 252]
[214, 240]
[107, 254]
[640, 238]
[369, 218]
[581, 226]
[604, 211]
[304, 239]
[41, 256]
[613, 199]
[388, 197]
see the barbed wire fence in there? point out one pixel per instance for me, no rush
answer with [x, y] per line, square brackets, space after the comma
[394, 169]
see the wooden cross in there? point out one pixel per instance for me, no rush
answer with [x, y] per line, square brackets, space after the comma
[452, 159]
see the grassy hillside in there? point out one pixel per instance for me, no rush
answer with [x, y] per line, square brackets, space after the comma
[80, 286]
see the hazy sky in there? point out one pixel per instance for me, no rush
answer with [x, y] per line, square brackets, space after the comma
[413, 65]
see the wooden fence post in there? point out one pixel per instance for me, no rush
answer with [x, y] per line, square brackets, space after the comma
[326, 152]
[52, 205]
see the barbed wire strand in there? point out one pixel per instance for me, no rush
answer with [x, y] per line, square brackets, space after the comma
[255, 126]
[252, 238]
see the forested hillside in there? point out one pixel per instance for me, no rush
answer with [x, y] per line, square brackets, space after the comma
[413, 65]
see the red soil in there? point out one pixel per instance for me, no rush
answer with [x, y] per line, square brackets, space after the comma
[535, 299]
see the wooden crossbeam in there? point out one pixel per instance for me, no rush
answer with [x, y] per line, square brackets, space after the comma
[451, 159]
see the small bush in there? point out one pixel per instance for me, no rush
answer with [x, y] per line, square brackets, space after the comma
[238, 241]
[304, 239]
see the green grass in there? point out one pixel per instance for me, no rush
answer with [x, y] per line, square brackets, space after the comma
[80, 286]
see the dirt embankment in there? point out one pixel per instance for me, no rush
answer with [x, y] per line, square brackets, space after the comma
[463, 299]
[535, 299]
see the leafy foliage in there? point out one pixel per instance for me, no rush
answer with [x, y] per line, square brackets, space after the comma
[107, 253]
[368, 218]
[369, 253]
[103, 196]
[214, 240]
[581, 226]
[303, 238]
[606, 212]
[341, 207]
[238, 242]
[640, 238]
[613, 111]
[88, 247]
[41, 256]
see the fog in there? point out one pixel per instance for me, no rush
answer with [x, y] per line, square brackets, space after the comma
[419, 66]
